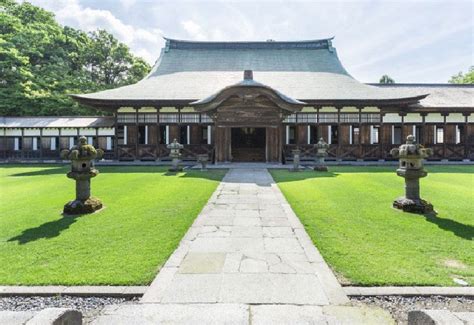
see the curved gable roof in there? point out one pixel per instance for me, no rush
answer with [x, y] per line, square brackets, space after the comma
[305, 70]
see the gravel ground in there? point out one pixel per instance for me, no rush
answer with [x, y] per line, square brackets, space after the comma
[89, 306]
[400, 306]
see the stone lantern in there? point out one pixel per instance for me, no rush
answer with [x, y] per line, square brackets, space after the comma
[296, 160]
[175, 153]
[411, 157]
[203, 159]
[82, 170]
[321, 152]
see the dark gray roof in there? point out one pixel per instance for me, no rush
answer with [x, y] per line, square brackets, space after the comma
[304, 70]
[440, 95]
[56, 122]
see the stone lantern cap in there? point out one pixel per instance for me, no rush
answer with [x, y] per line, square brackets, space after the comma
[175, 145]
[322, 144]
[411, 150]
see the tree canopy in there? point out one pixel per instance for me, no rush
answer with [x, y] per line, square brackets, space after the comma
[463, 78]
[385, 79]
[41, 62]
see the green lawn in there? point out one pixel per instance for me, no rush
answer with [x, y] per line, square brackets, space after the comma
[348, 214]
[147, 212]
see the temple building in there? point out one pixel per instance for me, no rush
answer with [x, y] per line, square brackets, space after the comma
[254, 101]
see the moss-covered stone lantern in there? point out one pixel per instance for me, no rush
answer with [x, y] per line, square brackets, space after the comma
[203, 159]
[411, 157]
[82, 158]
[296, 160]
[321, 153]
[175, 154]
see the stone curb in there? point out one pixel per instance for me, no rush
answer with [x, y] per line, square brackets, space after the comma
[410, 291]
[84, 291]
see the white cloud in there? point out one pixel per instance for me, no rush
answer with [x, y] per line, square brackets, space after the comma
[194, 30]
[144, 42]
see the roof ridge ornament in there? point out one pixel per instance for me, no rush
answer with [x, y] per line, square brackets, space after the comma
[248, 75]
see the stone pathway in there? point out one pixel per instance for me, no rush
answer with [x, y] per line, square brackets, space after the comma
[246, 246]
[246, 258]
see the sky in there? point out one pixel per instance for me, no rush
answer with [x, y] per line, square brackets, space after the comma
[413, 41]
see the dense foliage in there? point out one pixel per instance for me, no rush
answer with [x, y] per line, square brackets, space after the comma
[385, 79]
[463, 78]
[41, 62]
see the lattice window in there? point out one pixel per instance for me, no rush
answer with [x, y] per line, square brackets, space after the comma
[307, 118]
[370, 118]
[349, 118]
[126, 118]
[290, 119]
[147, 118]
[169, 118]
[327, 118]
[190, 118]
[205, 118]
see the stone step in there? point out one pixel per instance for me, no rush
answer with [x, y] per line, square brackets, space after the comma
[244, 314]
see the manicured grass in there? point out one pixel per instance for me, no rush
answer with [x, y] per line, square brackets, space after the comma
[348, 214]
[147, 212]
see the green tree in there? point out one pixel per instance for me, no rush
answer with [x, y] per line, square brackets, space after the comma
[385, 79]
[41, 62]
[463, 78]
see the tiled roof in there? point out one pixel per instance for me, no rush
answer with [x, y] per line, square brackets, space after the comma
[305, 70]
[440, 95]
[56, 122]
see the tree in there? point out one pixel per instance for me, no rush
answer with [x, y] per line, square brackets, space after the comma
[460, 78]
[385, 79]
[41, 62]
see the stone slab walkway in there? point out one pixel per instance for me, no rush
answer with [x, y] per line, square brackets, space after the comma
[247, 246]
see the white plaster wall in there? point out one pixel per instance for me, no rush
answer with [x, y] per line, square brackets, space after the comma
[392, 118]
[147, 110]
[126, 110]
[369, 109]
[86, 131]
[455, 118]
[31, 132]
[13, 132]
[470, 118]
[328, 109]
[69, 132]
[51, 132]
[107, 131]
[434, 118]
[413, 118]
[349, 110]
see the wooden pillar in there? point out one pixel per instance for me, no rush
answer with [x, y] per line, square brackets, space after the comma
[402, 129]
[223, 144]
[22, 153]
[464, 136]
[41, 144]
[381, 136]
[360, 132]
[338, 149]
[158, 133]
[115, 135]
[445, 130]
[136, 134]
[273, 144]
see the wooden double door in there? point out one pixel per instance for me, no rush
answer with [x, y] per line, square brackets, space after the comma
[248, 144]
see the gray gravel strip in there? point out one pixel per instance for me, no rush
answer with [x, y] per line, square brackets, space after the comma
[410, 291]
[108, 291]
[399, 306]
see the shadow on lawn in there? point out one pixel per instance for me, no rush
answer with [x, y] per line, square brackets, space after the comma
[47, 230]
[457, 228]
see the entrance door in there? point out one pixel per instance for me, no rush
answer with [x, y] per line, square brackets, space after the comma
[248, 144]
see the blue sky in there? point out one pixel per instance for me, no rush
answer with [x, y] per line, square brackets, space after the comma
[412, 41]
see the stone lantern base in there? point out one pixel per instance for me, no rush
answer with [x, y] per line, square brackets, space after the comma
[82, 207]
[413, 206]
[320, 168]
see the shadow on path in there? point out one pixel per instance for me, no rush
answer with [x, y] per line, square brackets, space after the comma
[47, 230]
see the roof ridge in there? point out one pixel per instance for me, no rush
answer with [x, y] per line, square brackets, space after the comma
[419, 84]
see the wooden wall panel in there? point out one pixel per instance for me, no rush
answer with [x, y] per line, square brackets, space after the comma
[344, 134]
[428, 134]
[407, 130]
[196, 135]
[387, 134]
[365, 134]
[174, 132]
[273, 144]
[223, 144]
[301, 134]
[132, 135]
[469, 133]
[450, 133]
[102, 143]
[152, 134]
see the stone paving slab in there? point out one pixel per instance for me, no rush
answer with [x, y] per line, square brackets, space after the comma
[246, 246]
